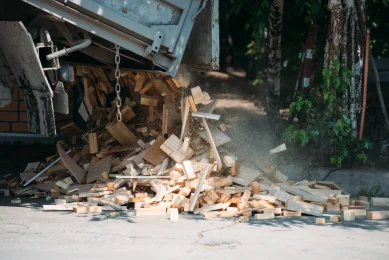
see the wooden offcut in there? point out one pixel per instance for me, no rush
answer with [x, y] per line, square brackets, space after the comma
[93, 145]
[376, 215]
[154, 154]
[121, 133]
[305, 208]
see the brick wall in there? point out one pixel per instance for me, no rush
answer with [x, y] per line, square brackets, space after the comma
[13, 118]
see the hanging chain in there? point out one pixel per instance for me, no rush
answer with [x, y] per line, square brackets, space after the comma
[117, 86]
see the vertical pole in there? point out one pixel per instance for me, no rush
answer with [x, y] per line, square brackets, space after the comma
[367, 49]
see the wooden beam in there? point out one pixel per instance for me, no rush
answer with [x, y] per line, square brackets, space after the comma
[77, 172]
[375, 215]
[306, 208]
[204, 174]
[213, 145]
[121, 133]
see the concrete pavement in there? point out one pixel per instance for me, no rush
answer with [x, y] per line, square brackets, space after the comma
[28, 233]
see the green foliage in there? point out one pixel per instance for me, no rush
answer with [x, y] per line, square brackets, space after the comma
[324, 120]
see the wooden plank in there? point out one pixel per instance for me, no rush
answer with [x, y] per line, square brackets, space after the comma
[204, 174]
[255, 187]
[271, 199]
[96, 169]
[154, 154]
[223, 182]
[376, 215]
[246, 176]
[188, 170]
[102, 78]
[77, 172]
[93, 145]
[173, 84]
[333, 185]
[217, 206]
[287, 213]
[185, 116]
[121, 133]
[382, 202]
[320, 192]
[336, 219]
[305, 208]
[219, 137]
[211, 141]
[206, 115]
[295, 190]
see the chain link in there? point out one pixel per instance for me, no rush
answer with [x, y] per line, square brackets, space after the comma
[117, 85]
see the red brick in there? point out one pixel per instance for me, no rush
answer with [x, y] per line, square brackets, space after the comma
[15, 95]
[11, 107]
[20, 127]
[8, 116]
[4, 127]
[23, 117]
[22, 106]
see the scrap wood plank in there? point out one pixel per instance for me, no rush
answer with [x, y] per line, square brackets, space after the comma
[102, 79]
[154, 154]
[185, 117]
[306, 208]
[206, 171]
[96, 168]
[140, 78]
[219, 137]
[333, 185]
[246, 176]
[217, 206]
[173, 84]
[375, 215]
[197, 94]
[326, 193]
[211, 141]
[77, 172]
[294, 190]
[271, 199]
[69, 207]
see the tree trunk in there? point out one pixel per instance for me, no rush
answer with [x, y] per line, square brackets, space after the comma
[334, 37]
[274, 59]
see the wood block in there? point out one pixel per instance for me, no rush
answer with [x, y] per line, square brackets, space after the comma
[244, 219]
[235, 199]
[224, 182]
[213, 196]
[297, 198]
[320, 221]
[318, 186]
[140, 79]
[333, 200]
[382, 202]
[348, 215]
[93, 146]
[268, 198]
[228, 161]
[375, 215]
[94, 209]
[110, 186]
[266, 204]
[235, 169]
[54, 193]
[150, 211]
[146, 100]
[197, 95]
[127, 114]
[357, 212]
[264, 216]
[114, 214]
[173, 214]
[146, 88]
[154, 154]
[217, 206]
[141, 195]
[305, 208]
[80, 209]
[178, 201]
[255, 187]
[121, 133]
[172, 147]
[245, 197]
[336, 219]
[333, 207]
[188, 170]
[185, 191]
[232, 209]
[173, 84]
[246, 176]
[275, 211]
[288, 213]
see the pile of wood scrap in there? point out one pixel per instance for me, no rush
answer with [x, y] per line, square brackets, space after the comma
[164, 156]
